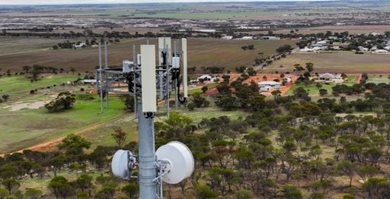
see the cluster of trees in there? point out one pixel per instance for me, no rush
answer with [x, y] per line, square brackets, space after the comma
[197, 101]
[368, 41]
[212, 69]
[238, 95]
[64, 101]
[283, 147]
[69, 156]
[284, 49]
[33, 72]
[246, 71]
[273, 152]
[353, 41]
[4, 98]
[281, 52]
[248, 47]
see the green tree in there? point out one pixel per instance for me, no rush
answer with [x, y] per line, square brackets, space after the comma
[62, 102]
[128, 101]
[291, 192]
[8, 171]
[84, 183]
[377, 187]
[130, 189]
[60, 187]
[205, 192]
[199, 101]
[74, 145]
[11, 184]
[251, 71]
[323, 92]
[35, 72]
[32, 193]
[309, 67]
[3, 193]
[119, 136]
[284, 49]
[107, 191]
[205, 89]
[243, 194]
[347, 168]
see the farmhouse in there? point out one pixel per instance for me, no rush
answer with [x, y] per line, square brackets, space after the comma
[206, 30]
[330, 78]
[269, 86]
[89, 81]
[206, 78]
[362, 49]
[247, 38]
[80, 45]
[381, 51]
[320, 43]
[227, 37]
[306, 49]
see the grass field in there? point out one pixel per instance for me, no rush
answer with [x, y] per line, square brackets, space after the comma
[202, 52]
[28, 127]
[24, 128]
[12, 45]
[379, 78]
[347, 62]
[20, 86]
[314, 91]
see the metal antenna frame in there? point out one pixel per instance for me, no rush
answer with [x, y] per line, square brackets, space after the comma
[111, 80]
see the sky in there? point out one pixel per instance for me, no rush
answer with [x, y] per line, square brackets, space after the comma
[113, 1]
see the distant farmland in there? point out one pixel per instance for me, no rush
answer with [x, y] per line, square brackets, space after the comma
[347, 62]
[202, 52]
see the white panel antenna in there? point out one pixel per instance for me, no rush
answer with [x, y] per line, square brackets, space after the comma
[148, 71]
[185, 66]
[180, 160]
[164, 43]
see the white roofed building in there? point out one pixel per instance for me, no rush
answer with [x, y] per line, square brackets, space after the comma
[330, 78]
[267, 86]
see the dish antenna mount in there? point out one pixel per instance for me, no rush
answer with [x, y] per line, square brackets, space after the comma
[146, 81]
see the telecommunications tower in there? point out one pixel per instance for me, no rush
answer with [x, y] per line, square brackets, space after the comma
[150, 84]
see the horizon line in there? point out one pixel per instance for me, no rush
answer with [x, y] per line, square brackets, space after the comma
[164, 2]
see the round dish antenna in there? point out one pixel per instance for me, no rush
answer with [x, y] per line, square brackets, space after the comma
[180, 160]
[122, 164]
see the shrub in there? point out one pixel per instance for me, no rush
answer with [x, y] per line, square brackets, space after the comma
[191, 106]
[64, 101]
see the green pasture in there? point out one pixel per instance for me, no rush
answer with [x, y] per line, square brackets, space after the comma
[28, 127]
[313, 90]
[199, 90]
[379, 78]
[21, 86]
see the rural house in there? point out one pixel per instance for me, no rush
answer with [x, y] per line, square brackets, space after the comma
[266, 86]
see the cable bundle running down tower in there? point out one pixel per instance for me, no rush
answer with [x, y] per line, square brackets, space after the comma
[143, 80]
